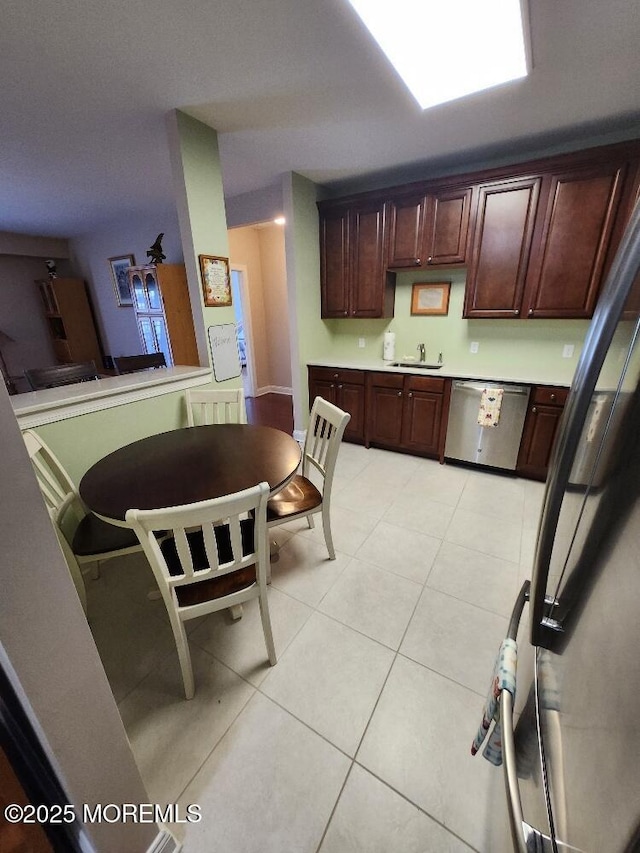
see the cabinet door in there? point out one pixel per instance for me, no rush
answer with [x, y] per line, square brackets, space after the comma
[152, 290]
[406, 231]
[566, 269]
[322, 388]
[448, 227]
[368, 272]
[539, 434]
[174, 296]
[421, 420]
[501, 246]
[384, 414]
[334, 259]
[351, 399]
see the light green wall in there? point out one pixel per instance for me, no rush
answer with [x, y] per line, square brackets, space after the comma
[79, 442]
[197, 175]
[310, 337]
[531, 346]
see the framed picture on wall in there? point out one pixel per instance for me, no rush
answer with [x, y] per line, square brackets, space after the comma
[216, 282]
[430, 299]
[120, 274]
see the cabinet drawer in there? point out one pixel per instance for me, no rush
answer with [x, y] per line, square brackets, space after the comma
[336, 374]
[546, 395]
[387, 380]
[425, 383]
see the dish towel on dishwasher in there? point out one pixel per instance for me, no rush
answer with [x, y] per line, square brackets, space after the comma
[503, 678]
[490, 404]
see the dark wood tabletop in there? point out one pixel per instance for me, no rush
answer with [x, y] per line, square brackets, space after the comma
[188, 465]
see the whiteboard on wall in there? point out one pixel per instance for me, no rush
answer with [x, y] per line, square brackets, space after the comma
[224, 351]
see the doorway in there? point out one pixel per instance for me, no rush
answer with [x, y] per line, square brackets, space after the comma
[241, 308]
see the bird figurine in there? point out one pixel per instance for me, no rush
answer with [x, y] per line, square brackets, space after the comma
[155, 253]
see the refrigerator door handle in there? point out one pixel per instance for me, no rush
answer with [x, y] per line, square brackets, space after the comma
[525, 838]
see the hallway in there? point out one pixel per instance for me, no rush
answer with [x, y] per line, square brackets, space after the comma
[274, 410]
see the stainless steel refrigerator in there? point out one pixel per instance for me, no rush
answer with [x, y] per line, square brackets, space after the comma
[571, 746]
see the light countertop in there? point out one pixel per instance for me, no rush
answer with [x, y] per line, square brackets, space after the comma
[54, 404]
[447, 371]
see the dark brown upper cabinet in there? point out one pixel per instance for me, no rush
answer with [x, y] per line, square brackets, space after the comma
[334, 261]
[429, 229]
[505, 215]
[537, 237]
[576, 226]
[354, 278]
[541, 243]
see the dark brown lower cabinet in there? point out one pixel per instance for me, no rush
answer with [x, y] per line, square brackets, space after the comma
[540, 429]
[345, 389]
[405, 412]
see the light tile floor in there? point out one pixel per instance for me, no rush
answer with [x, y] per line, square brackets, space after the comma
[358, 739]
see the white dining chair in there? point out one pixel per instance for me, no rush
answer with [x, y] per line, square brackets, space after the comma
[85, 539]
[301, 498]
[211, 406]
[215, 556]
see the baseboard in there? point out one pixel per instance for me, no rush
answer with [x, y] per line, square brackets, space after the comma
[274, 389]
[165, 842]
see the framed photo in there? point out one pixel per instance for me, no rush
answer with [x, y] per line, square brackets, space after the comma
[119, 272]
[430, 299]
[216, 282]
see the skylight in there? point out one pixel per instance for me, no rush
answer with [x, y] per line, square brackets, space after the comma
[446, 49]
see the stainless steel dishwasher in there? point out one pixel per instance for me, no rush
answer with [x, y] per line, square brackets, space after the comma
[496, 446]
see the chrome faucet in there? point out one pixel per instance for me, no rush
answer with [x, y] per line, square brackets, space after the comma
[423, 354]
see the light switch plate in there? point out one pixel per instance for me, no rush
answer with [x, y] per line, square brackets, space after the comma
[567, 350]
[474, 346]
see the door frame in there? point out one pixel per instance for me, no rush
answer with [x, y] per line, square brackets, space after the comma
[246, 321]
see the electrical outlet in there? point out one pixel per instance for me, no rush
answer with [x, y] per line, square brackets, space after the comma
[567, 350]
[475, 346]
[361, 343]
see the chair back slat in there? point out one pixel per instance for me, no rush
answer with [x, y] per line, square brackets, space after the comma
[210, 545]
[184, 551]
[215, 406]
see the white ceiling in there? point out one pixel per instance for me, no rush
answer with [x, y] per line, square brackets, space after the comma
[290, 85]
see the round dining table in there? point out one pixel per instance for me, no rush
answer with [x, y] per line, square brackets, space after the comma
[187, 465]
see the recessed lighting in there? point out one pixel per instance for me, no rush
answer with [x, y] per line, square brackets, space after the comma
[446, 49]
[279, 220]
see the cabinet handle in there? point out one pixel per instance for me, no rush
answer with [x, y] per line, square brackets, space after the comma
[534, 410]
[418, 261]
[516, 310]
[531, 312]
[410, 393]
[553, 397]
[339, 386]
[399, 393]
[345, 313]
[429, 260]
[335, 375]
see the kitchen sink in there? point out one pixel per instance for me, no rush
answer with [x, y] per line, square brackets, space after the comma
[420, 364]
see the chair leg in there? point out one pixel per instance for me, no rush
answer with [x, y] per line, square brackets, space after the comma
[184, 656]
[266, 627]
[328, 536]
[311, 522]
[94, 572]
